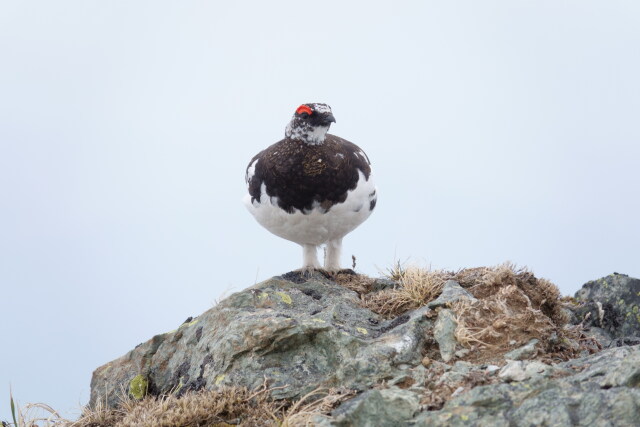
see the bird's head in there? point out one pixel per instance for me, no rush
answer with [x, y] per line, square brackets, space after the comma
[310, 123]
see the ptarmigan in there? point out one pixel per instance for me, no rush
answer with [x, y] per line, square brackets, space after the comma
[311, 188]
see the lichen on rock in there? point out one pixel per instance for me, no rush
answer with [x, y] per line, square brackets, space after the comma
[483, 346]
[138, 387]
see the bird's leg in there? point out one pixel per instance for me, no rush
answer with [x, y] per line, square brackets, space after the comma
[309, 258]
[332, 257]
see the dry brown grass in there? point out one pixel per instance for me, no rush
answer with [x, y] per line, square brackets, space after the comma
[512, 307]
[314, 403]
[219, 407]
[230, 406]
[499, 322]
[416, 287]
[356, 282]
[542, 294]
[38, 414]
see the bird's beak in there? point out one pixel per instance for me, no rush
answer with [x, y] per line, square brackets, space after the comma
[328, 119]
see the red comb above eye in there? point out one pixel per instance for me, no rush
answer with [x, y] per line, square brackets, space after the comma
[304, 109]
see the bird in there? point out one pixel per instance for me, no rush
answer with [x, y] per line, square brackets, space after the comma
[312, 187]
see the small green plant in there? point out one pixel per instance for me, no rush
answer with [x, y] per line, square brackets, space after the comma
[13, 408]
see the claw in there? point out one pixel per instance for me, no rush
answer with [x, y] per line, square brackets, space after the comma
[307, 272]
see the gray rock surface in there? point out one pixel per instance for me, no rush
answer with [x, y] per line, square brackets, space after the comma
[611, 306]
[373, 408]
[527, 351]
[293, 332]
[517, 370]
[444, 333]
[599, 390]
[451, 292]
[301, 333]
[513, 371]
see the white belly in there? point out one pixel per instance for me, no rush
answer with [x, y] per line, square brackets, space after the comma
[316, 226]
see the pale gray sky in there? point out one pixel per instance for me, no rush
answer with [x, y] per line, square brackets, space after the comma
[498, 130]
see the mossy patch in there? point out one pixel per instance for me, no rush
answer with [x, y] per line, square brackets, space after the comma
[285, 297]
[138, 387]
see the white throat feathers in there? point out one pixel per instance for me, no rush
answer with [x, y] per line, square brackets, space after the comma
[312, 135]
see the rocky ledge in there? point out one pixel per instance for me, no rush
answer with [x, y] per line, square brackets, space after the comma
[483, 347]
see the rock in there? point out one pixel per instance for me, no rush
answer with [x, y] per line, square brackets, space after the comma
[457, 391]
[513, 371]
[619, 342]
[592, 392]
[517, 370]
[301, 333]
[382, 284]
[296, 333]
[535, 369]
[491, 369]
[389, 407]
[612, 304]
[413, 379]
[527, 351]
[455, 374]
[617, 367]
[463, 367]
[602, 336]
[462, 353]
[444, 333]
[451, 292]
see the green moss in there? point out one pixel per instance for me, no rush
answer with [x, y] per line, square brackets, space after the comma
[138, 387]
[285, 298]
[635, 309]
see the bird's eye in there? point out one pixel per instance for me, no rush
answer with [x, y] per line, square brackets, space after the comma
[304, 111]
